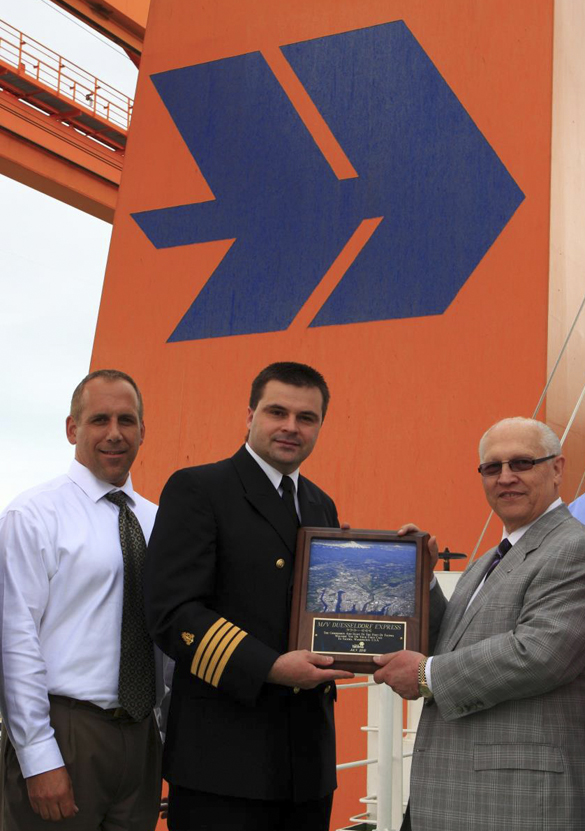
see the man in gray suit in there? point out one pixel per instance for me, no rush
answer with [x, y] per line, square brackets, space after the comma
[501, 741]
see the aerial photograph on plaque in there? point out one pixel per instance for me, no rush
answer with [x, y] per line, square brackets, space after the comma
[362, 577]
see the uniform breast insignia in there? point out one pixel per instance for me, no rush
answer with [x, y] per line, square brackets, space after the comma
[188, 638]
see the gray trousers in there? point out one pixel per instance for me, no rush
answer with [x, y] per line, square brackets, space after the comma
[114, 766]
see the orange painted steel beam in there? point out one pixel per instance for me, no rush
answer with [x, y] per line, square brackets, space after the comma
[40, 152]
[122, 21]
[50, 110]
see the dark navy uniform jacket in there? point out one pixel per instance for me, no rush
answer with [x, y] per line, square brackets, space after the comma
[217, 588]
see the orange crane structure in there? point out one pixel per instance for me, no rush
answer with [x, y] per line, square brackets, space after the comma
[62, 130]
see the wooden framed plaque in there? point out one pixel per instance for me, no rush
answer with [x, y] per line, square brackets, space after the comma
[360, 593]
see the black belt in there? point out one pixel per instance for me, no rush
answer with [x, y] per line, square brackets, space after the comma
[113, 713]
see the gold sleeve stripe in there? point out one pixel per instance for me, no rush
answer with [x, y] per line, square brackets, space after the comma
[219, 651]
[203, 643]
[221, 634]
[226, 656]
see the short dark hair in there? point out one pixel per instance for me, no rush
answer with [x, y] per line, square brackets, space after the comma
[108, 375]
[289, 372]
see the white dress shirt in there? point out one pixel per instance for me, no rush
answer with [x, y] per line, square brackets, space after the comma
[515, 536]
[577, 508]
[61, 594]
[275, 476]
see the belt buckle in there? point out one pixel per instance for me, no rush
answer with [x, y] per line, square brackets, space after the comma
[120, 712]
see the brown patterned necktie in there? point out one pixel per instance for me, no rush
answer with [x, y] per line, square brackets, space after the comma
[136, 684]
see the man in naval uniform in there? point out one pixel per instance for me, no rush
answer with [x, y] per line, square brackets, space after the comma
[250, 743]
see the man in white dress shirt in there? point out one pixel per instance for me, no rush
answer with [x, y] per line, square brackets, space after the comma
[71, 754]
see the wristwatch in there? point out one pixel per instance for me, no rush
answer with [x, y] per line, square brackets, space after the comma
[423, 687]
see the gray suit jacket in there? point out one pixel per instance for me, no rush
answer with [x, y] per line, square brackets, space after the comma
[502, 746]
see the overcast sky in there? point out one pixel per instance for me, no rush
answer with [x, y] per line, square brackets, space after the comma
[52, 263]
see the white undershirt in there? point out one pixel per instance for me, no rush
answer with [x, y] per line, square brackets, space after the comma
[61, 584]
[514, 537]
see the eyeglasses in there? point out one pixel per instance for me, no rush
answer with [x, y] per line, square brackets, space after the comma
[515, 465]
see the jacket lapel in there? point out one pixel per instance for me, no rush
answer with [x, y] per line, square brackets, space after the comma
[455, 612]
[312, 511]
[263, 496]
[467, 611]
[463, 614]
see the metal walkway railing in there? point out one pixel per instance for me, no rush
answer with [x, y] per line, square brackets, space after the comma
[389, 748]
[60, 88]
[385, 753]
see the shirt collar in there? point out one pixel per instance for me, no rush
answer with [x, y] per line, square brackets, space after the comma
[96, 488]
[273, 474]
[519, 532]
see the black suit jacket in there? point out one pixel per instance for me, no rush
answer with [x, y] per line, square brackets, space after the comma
[217, 589]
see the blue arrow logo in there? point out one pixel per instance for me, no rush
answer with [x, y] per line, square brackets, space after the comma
[422, 165]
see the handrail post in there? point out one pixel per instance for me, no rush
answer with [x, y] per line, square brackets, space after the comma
[389, 802]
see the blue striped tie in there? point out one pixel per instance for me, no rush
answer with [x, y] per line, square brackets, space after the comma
[501, 552]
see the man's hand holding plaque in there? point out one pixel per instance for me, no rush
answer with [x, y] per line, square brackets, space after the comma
[304, 669]
[399, 670]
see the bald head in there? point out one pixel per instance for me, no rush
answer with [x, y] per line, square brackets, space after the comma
[519, 497]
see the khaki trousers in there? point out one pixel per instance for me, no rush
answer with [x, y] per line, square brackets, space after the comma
[114, 766]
